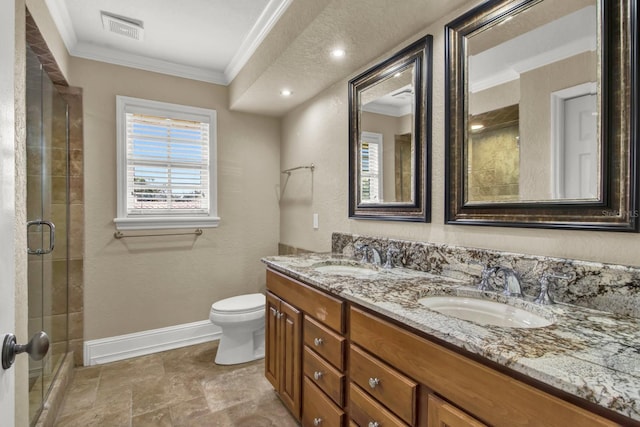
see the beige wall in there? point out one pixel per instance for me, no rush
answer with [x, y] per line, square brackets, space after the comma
[145, 283]
[317, 132]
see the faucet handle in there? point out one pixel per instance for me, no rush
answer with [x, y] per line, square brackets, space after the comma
[365, 251]
[484, 284]
[390, 251]
[545, 298]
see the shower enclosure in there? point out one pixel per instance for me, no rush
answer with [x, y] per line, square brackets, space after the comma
[48, 225]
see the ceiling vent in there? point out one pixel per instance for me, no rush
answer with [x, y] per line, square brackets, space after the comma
[127, 27]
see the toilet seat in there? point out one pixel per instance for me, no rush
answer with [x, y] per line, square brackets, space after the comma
[240, 304]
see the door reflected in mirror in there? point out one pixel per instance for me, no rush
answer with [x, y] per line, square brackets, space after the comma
[386, 144]
[533, 106]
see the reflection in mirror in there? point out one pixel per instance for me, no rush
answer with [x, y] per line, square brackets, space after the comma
[541, 120]
[386, 145]
[533, 106]
[389, 132]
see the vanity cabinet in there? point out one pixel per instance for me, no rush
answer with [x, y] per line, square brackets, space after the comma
[282, 351]
[464, 392]
[306, 356]
[370, 371]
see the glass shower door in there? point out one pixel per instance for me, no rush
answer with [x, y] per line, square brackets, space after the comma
[47, 216]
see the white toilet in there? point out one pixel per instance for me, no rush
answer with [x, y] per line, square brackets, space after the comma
[242, 321]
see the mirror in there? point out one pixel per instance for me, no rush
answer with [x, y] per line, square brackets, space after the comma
[540, 96]
[389, 137]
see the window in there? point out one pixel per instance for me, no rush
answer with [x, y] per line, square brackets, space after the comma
[166, 165]
[370, 167]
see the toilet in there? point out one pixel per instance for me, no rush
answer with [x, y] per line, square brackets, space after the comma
[242, 321]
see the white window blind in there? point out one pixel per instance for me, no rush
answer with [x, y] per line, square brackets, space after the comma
[167, 176]
[370, 170]
[167, 166]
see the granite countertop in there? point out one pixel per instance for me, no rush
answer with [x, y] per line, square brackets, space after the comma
[588, 353]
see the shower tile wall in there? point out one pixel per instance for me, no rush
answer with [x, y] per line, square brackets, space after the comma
[73, 96]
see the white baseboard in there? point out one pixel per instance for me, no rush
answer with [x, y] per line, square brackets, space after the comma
[122, 347]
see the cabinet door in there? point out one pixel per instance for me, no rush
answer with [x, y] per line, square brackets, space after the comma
[443, 414]
[290, 334]
[271, 364]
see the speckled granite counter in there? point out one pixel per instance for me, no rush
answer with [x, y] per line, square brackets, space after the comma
[588, 353]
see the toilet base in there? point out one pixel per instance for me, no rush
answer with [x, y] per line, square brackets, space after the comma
[240, 345]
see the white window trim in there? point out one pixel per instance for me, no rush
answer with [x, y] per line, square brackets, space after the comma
[123, 221]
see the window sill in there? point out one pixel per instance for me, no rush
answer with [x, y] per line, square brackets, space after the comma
[159, 223]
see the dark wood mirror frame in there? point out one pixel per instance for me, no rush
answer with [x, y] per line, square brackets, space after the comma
[418, 54]
[617, 209]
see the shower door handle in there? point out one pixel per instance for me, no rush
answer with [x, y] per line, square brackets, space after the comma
[52, 237]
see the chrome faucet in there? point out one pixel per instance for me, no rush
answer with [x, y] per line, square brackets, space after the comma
[484, 284]
[390, 251]
[376, 256]
[366, 250]
[545, 297]
[512, 286]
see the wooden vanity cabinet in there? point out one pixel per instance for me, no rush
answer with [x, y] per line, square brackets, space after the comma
[282, 351]
[465, 392]
[305, 355]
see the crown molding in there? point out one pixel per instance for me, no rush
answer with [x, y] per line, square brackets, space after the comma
[62, 20]
[271, 14]
[112, 56]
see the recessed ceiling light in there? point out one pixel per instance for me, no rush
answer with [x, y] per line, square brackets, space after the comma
[286, 92]
[338, 53]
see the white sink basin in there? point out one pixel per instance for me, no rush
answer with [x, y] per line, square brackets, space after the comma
[484, 312]
[346, 270]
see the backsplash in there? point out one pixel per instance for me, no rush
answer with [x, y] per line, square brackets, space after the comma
[606, 287]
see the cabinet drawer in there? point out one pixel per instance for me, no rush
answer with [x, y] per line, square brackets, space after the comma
[325, 342]
[317, 409]
[365, 411]
[324, 376]
[390, 387]
[442, 413]
[318, 304]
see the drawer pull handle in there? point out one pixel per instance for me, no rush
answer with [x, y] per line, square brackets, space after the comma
[317, 375]
[374, 424]
[373, 382]
[318, 341]
[274, 311]
[280, 314]
[317, 421]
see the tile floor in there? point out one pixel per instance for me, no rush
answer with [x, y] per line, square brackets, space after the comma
[180, 387]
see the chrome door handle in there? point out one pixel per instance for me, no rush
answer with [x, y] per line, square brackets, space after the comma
[317, 375]
[274, 311]
[37, 348]
[317, 341]
[373, 382]
[317, 421]
[52, 237]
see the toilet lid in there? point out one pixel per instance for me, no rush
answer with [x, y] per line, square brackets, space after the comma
[240, 304]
